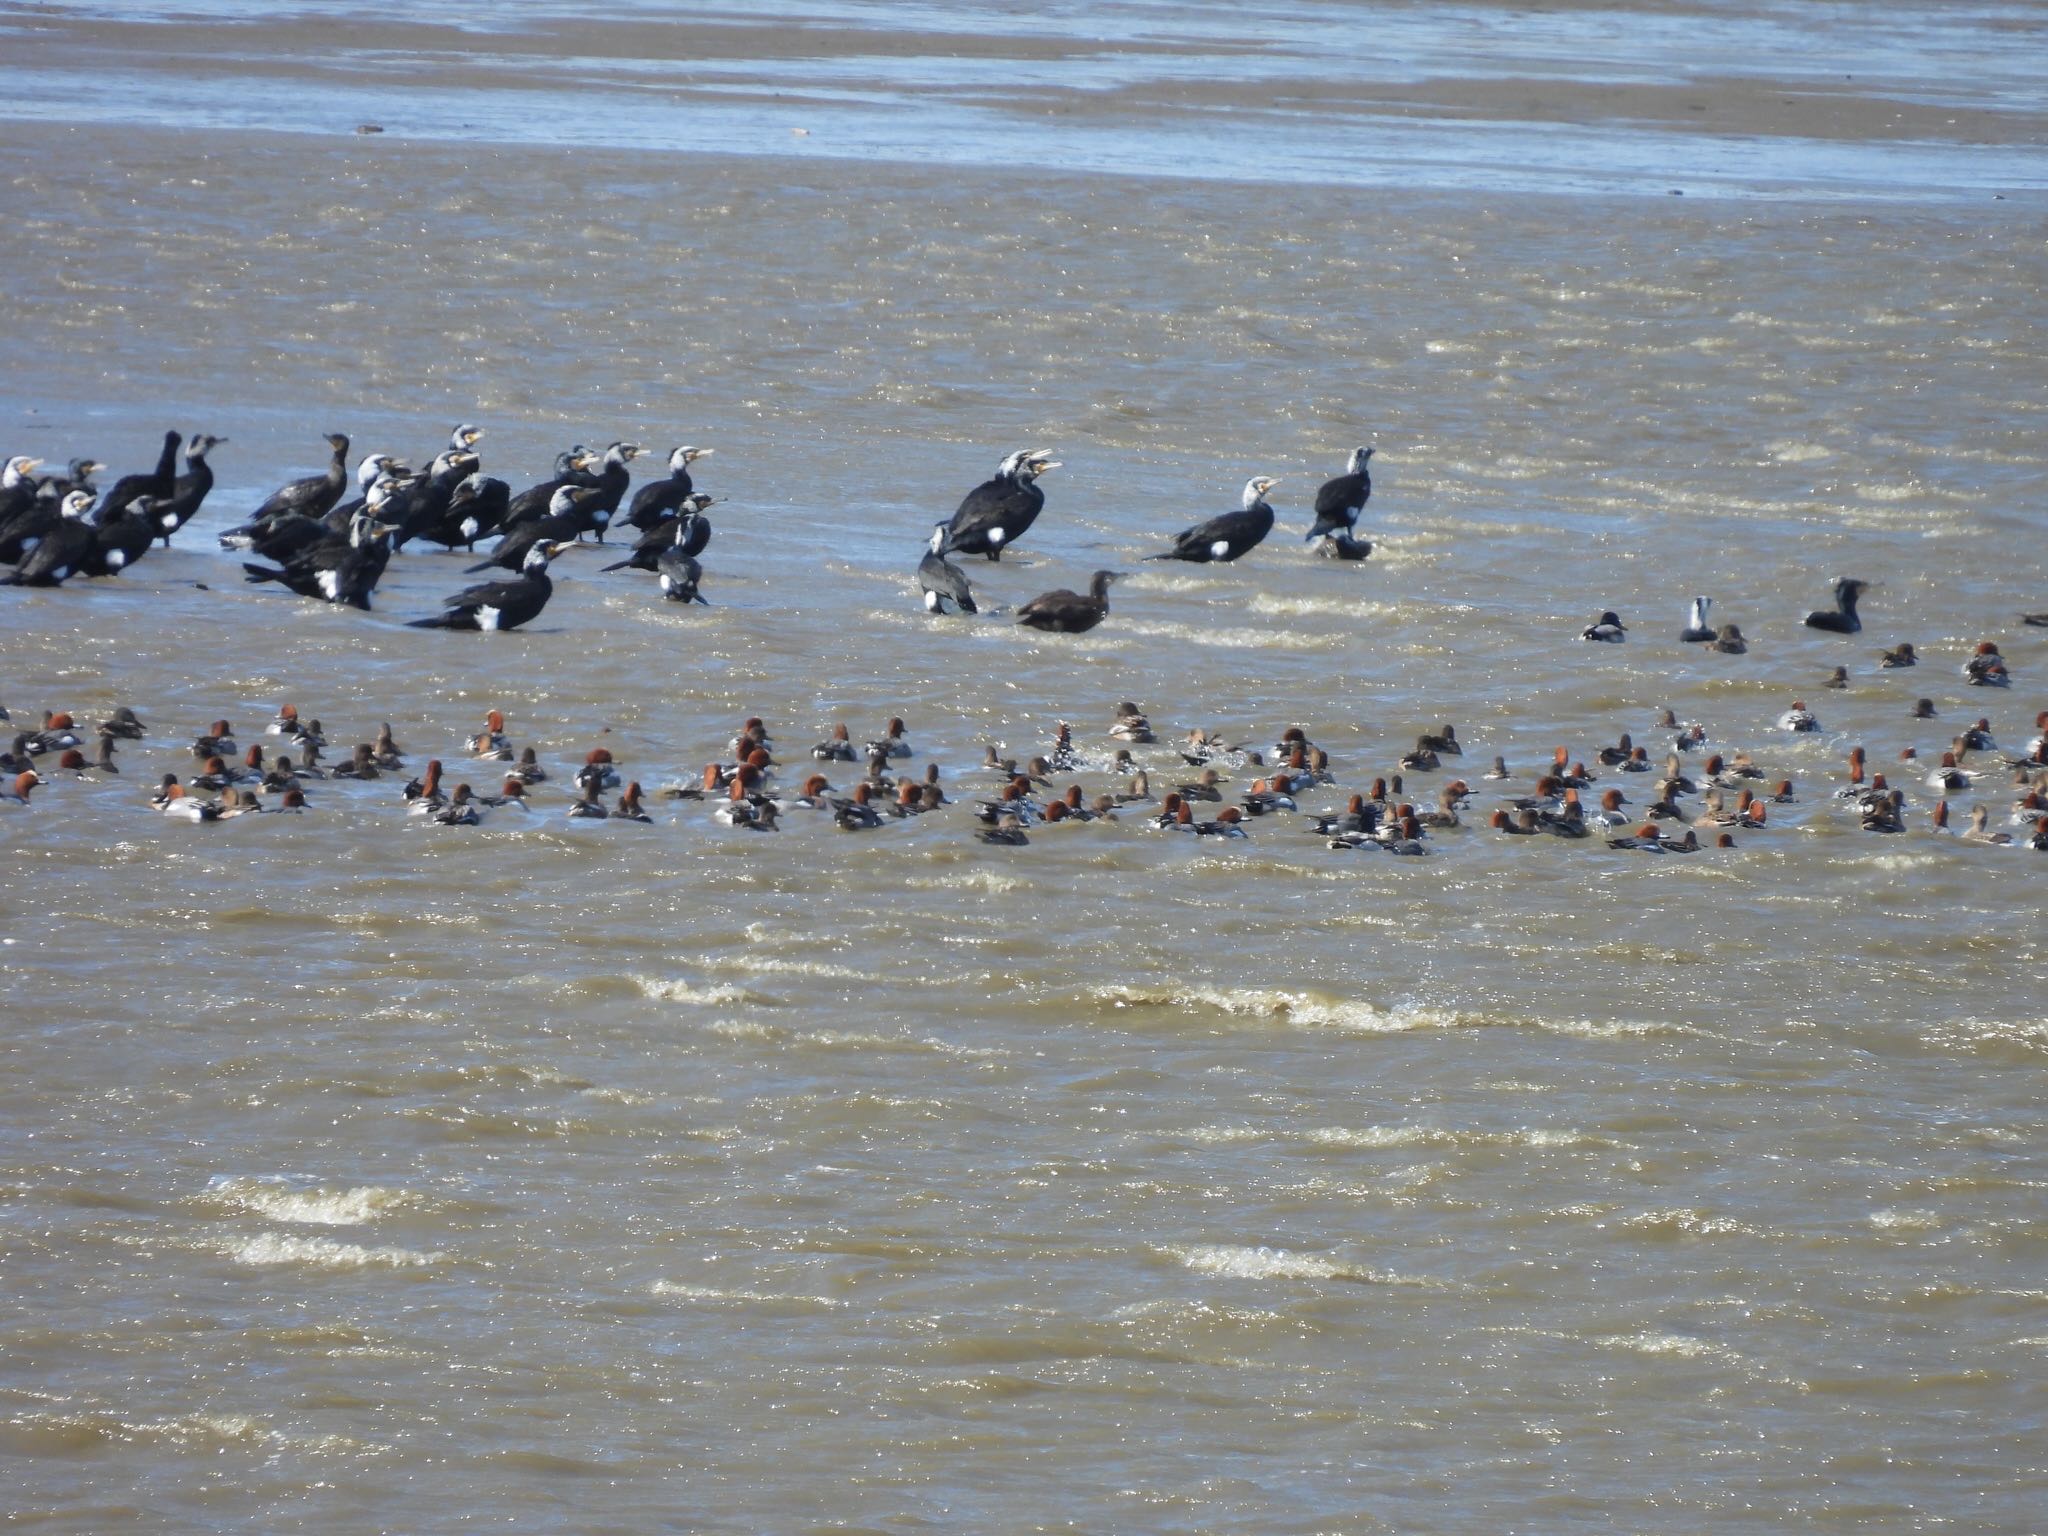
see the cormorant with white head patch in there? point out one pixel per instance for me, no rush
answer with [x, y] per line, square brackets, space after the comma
[1340, 500]
[941, 580]
[501, 604]
[1230, 535]
[996, 513]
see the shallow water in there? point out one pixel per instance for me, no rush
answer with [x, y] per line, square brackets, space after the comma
[365, 1175]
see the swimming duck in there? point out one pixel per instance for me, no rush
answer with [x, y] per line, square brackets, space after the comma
[1131, 725]
[1839, 678]
[1008, 832]
[1948, 777]
[491, 743]
[1798, 719]
[1729, 641]
[1607, 628]
[1901, 655]
[1986, 669]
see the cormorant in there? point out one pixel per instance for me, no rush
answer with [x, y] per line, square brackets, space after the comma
[157, 485]
[1230, 535]
[996, 513]
[60, 553]
[943, 581]
[343, 570]
[316, 495]
[689, 531]
[1069, 613]
[1840, 619]
[188, 491]
[1340, 501]
[501, 604]
[659, 500]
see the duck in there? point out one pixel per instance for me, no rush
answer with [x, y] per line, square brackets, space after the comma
[1356, 817]
[1228, 823]
[1986, 668]
[838, 747]
[1901, 655]
[1696, 627]
[1948, 777]
[857, 814]
[1840, 619]
[491, 744]
[172, 801]
[1131, 725]
[1838, 679]
[1607, 629]
[1231, 534]
[895, 742]
[586, 806]
[1729, 642]
[1070, 613]
[462, 810]
[999, 511]
[424, 793]
[1423, 759]
[1008, 832]
[1798, 719]
[1647, 838]
[1979, 832]
[1521, 824]
[1445, 813]
[1885, 813]
[1609, 817]
[1978, 738]
[1498, 771]
[17, 790]
[599, 771]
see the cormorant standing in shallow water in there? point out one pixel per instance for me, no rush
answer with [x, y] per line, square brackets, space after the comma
[61, 553]
[188, 491]
[1069, 613]
[942, 581]
[688, 531]
[996, 513]
[679, 573]
[1840, 619]
[1340, 501]
[316, 495]
[339, 569]
[521, 536]
[658, 500]
[501, 604]
[1230, 535]
[570, 469]
[157, 485]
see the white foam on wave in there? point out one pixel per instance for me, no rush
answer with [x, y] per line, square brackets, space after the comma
[280, 1198]
[768, 965]
[1237, 639]
[1905, 1221]
[682, 1292]
[719, 995]
[992, 882]
[1236, 1262]
[1314, 1010]
[1685, 1222]
[1797, 453]
[271, 1248]
[1679, 1345]
[1333, 607]
[209, 1433]
[1974, 1034]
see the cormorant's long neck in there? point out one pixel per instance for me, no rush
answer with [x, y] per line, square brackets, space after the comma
[167, 461]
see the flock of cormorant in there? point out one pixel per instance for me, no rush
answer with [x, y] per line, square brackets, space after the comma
[324, 546]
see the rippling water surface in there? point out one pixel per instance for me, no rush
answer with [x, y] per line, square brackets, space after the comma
[357, 1174]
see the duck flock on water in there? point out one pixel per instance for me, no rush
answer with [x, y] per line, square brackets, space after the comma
[322, 544]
